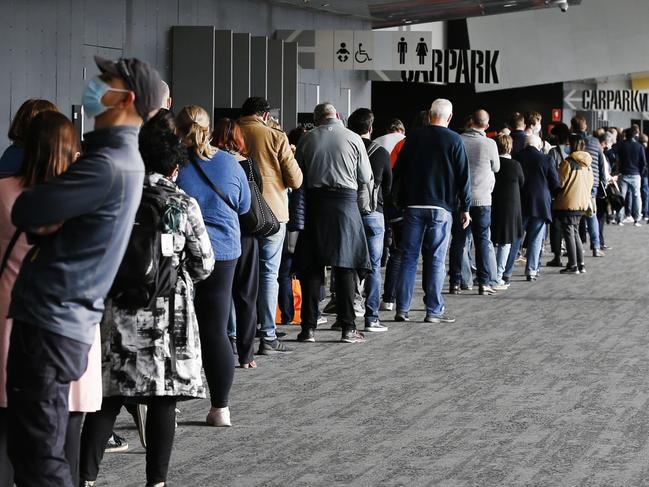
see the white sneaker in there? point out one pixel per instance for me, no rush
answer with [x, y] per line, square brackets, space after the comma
[321, 321]
[219, 417]
[385, 306]
[628, 219]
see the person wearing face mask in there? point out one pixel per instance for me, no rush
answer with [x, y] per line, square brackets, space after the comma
[79, 223]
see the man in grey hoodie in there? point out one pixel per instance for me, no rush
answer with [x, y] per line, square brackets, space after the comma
[484, 161]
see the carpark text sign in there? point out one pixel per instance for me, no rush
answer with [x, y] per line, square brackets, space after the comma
[611, 100]
[394, 51]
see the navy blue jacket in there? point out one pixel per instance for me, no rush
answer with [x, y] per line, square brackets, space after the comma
[65, 277]
[11, 160]
[432, 170]
[518, 142]
[296, 210]
[541, 181]
[631, 158]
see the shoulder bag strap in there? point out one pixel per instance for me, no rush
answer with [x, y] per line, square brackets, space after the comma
[213, 186]
[10, 247]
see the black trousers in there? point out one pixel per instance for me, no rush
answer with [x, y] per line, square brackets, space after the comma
[6, 470]
[602, 212]
[556, 236]
[345, 286]
[40, 367]
[573, 243]
[285, 280]
[160, 430]
[213, 300]
[244, 294]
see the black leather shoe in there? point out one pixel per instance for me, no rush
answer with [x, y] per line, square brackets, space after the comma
[554, 263]
[454, 289]
[486, 290]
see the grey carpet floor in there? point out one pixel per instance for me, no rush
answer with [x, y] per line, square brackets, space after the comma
[546, 384]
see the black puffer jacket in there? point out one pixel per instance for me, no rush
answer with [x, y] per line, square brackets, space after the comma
[296, 210]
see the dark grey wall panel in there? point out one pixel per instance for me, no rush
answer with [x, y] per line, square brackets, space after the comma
[223, 69]
[259, 66]
[275, 73]
[193, 67]
[240, 68]
[289, 99]
[47, 43]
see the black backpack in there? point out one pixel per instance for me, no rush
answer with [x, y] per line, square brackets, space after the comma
[145, 273]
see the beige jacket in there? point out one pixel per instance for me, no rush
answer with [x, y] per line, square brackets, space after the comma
[272, 153]
[576, 179]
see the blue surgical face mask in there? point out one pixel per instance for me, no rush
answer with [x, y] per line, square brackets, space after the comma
[91, 100]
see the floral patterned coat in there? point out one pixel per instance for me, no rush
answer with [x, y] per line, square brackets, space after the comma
[142, 357]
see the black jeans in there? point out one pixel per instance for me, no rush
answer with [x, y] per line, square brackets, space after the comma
[285, 280]
[602, 211]
[72, 439]
[573, 243]
[212, 302]
[244, 295]
[556, 236]
[40, 367]
[311, 281]
[160, 430]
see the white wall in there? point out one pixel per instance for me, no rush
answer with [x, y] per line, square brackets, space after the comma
[592, 40]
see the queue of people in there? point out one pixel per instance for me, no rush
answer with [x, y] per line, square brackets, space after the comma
[161, 248]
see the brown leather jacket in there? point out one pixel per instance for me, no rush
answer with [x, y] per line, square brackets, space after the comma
[272, 153]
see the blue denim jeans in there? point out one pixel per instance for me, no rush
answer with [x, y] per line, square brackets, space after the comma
[535, 232]
[644, 191]
[425, 230]
[479, 228]
[632, 183]
[270, 258]
[502, 255]
[374, 225]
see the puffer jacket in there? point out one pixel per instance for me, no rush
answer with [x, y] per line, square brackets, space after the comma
[576, 181]
[296, 210]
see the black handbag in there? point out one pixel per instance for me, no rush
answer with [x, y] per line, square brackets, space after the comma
[260, 220]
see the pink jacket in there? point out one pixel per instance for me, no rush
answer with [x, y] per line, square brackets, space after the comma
[86, 393]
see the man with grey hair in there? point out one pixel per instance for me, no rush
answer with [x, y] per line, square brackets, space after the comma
[165, 99]
[431, 178]
[484, 162]
[335, 164]
[541, 180]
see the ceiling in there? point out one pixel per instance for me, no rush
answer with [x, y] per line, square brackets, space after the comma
[392, 13]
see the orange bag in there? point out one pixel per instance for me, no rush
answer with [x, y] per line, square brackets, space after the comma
[297, 304]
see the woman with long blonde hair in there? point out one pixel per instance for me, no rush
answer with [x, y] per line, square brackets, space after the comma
[216, 180]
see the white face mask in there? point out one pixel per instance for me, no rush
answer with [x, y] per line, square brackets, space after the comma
[536, 129]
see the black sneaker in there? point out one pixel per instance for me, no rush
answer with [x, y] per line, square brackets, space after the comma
[582, 269]
[352, 336]
[554, 263]
[454, 289]
[569, 270]
[401, 317]
[306, 335]
[116, 444]
[272, 347]
[531, 278]
[443, 318]
[330, 307]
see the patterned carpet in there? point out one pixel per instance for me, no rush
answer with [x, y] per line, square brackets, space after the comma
[546, 384]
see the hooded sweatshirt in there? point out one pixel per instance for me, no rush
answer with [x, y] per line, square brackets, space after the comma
[576, 181]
